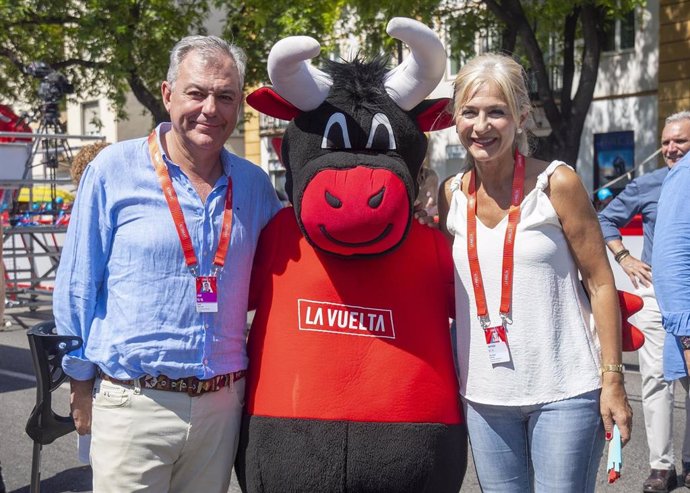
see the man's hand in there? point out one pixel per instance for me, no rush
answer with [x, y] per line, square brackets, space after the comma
[80, 404]
[686, 353]
[637, 271]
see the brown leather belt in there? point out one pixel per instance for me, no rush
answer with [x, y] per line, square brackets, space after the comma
[191, 385]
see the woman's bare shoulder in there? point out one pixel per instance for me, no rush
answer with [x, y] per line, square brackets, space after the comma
[564, 180]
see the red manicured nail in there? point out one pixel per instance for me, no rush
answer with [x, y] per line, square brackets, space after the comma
[609, 435]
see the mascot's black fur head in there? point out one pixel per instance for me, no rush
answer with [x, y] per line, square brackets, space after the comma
[352, 160]
[342, 132]
[360, 81]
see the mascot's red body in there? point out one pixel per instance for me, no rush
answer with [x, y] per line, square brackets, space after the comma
[351, 384]
[394, 363]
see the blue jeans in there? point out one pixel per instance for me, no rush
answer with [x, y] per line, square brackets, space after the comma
[554, 447]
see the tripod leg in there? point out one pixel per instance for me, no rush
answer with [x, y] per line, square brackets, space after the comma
[36, 469]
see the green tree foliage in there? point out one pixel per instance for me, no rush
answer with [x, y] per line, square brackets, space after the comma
[258, 24]
[114, 46]
[560, 44]
[101, 46]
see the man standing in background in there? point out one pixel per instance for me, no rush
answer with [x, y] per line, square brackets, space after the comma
[672, 280]
[641, 196]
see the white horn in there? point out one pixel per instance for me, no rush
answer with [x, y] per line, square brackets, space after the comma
[413, 80]
[293, 77]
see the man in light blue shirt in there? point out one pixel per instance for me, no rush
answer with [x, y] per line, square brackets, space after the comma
[671, 259]
[159, 381]
[641, 196]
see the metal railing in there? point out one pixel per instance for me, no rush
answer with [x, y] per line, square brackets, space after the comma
[34, 233]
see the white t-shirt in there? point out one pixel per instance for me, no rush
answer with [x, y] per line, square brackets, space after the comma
[554, 348]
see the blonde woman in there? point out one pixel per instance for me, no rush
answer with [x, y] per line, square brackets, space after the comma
[541, 387]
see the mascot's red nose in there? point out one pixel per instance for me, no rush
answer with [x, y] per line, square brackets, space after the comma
[357, 211]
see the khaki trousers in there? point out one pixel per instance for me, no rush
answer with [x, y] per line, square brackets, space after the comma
[657, 393]
[160, 441]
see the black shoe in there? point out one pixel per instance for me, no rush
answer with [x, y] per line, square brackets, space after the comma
[686, 474]
[660, 481]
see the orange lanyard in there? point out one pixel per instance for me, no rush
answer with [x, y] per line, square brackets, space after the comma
[178, 216]
[508, 244]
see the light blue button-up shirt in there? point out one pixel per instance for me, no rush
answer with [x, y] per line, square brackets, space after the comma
[640, 196]
[671, 260]
[122, 284]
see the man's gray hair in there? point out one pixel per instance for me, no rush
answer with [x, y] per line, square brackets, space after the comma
[209, 47]
[676, 117]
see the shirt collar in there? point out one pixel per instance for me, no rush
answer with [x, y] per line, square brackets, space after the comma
[160, 130]
[226, 156]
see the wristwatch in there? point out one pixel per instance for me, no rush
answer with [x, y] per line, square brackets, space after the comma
[685, 341]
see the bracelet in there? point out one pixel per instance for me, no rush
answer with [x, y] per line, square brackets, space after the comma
[621, 255]
[619, 368]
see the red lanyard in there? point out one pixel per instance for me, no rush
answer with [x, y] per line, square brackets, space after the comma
[508, 244]
[178, 216]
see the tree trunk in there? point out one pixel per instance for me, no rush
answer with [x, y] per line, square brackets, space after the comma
[564, 141]
[563, 146]
[147, 99]
[508, 39]
[567, 116]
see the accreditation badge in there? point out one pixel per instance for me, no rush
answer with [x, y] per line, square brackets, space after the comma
[206, 294]
[497, 344]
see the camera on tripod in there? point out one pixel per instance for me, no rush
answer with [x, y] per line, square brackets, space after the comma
[51, 90]
[53, 86]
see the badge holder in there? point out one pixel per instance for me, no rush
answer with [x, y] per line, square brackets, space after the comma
[206, 294]
[496, 341]
[206, 291]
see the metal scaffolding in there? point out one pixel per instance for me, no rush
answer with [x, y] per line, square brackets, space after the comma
[33, 232]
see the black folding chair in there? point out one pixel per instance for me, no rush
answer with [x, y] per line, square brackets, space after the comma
[44, 425]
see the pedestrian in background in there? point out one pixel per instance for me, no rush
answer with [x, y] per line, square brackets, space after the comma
[641, 196]
[159, 381]
[671, 261]
[535, 378]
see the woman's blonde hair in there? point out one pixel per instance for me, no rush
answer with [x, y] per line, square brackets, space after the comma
[508, 77]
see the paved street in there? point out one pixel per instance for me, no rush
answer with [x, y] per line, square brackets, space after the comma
[62, 472]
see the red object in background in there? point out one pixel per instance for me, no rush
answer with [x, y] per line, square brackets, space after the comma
[10, 122]
[632, 337]
[277, 143]
[634, 227]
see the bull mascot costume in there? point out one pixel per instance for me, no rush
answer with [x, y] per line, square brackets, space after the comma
[351, 385]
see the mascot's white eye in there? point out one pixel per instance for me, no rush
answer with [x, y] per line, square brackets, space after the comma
[381, 134]
[335, 136]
